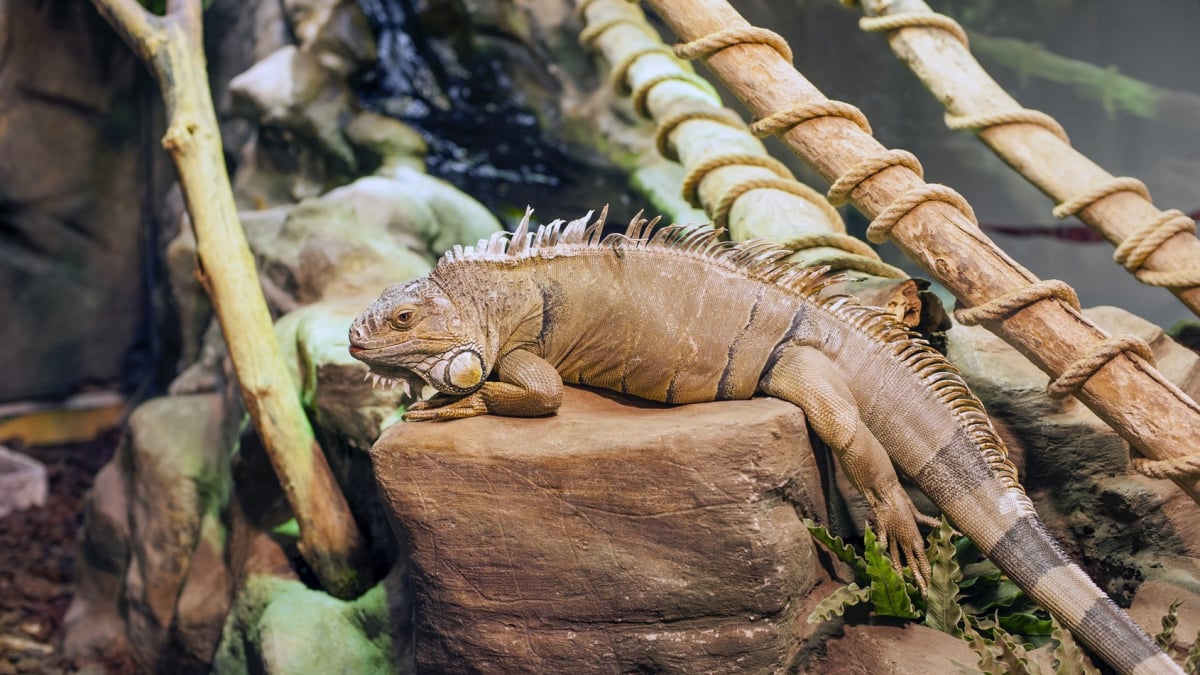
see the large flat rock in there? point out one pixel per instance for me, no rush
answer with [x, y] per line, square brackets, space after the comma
[615, 535]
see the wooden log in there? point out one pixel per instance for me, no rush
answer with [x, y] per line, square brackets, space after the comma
[615, 536]
[172, 47]
[1127, 392]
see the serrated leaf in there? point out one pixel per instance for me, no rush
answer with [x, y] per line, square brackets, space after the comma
[988, 663]
[1013, 654]
[840, 549]
[1166, 638]
[1026, 623]
[1069, 658]
[942, 610]
[838, 601]
[890, 593]
[1191, 665]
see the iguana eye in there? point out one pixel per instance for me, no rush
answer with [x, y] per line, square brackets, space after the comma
[402, 318]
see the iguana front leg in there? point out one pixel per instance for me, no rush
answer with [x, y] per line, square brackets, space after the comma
[806, 377]
[528, 386]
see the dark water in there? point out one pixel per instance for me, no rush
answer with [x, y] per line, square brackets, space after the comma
[481, 134]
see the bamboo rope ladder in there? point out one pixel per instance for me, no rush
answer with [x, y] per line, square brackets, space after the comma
[1159, 248]
[722, 160]
[936, 227]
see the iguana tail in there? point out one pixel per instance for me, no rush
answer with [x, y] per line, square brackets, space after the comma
[936, 431]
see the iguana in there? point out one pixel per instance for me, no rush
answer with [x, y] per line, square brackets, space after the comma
[676, 315]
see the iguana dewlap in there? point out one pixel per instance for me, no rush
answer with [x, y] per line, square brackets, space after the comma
[679, 316]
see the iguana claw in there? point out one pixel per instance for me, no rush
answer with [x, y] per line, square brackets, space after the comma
[442, 408]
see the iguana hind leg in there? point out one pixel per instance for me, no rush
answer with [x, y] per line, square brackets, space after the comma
[804, 376]
[528, 386]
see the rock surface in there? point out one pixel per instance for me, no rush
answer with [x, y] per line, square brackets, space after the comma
[149, 529]
[617, 532]
[74, 198]
[281, 627]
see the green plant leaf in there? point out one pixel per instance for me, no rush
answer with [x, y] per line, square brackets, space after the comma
[840, 549]
[838, 601]
[1026, 623]
[1013, 654]
[1000, 594]
[983, 570]
[890, 593]
[1069, 658]
[942, 610]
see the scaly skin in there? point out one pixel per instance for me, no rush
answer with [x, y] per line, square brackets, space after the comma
[680, 318]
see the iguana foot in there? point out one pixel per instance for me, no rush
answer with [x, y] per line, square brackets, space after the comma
[442, 408]
[896, 521]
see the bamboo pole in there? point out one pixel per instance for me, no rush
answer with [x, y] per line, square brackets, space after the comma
[727, 169]
[171, 46]
[1127, 391]
[1041, 152]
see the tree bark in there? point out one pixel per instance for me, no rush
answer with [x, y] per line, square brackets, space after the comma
[171, 46]
[1128, 393]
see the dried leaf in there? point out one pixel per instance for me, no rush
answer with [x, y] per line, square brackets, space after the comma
[1013, 654]
[988, 663]
[1069, 658]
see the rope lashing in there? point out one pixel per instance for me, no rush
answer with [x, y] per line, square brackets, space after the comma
[1137, 247]
[620, 70]
[662, 135]
[693, 178]
[587, 36]
[1076, 374]
[880, 229]
[1097, 192]
[723, 39]
[1013, 301]
[1176, 467]
[791, 186]
[987, 120]
[884, 24]
[786, 119]
[642, 91]
[839, 192]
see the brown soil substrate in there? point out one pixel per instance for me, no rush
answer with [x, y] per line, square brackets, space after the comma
[37, 548]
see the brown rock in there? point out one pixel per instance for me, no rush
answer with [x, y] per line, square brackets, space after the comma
[891, 650]
[93, 625]
[613, 535]
[1150, 606]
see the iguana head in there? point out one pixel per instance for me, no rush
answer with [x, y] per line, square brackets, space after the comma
[413, 335]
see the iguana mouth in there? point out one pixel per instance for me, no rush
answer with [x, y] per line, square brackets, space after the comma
[383, 377]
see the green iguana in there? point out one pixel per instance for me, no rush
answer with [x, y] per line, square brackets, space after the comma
[675, 315]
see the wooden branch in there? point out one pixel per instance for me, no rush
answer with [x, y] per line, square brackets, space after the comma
[1128, 393]
[329, 538]
[947, 68]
